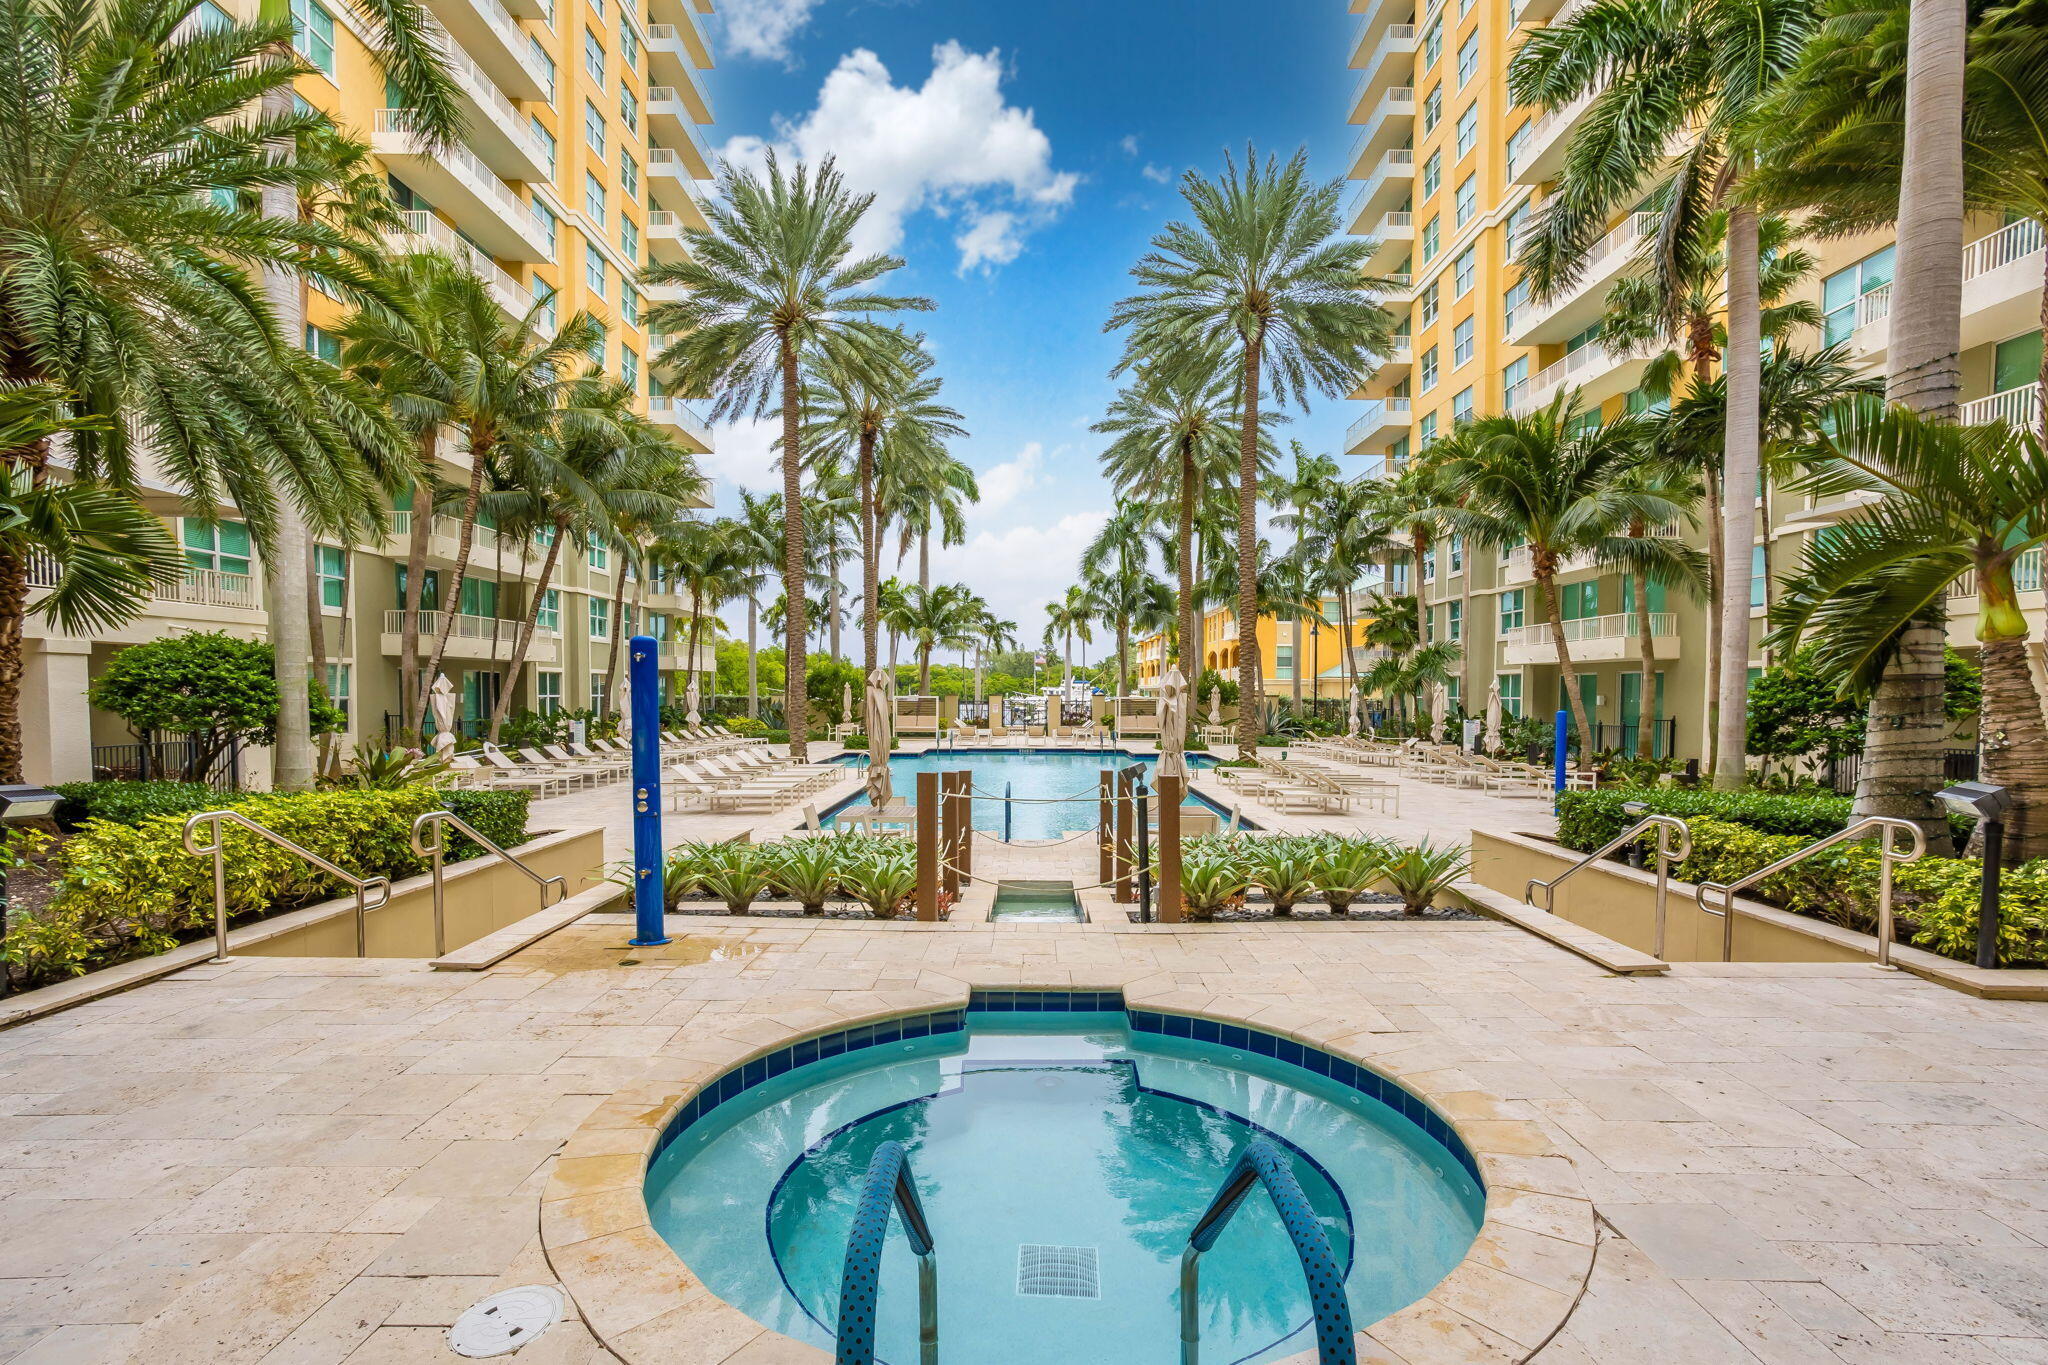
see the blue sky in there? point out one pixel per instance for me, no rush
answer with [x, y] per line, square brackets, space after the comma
[1022, 155]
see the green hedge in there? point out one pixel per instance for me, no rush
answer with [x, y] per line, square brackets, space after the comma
[130, 803]
[1586, 820]
[126, 890]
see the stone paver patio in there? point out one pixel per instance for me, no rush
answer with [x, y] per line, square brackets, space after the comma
[305, 1161]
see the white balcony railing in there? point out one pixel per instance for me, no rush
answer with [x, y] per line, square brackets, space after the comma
[467, 167]
[1874, 307]
[1399, 40]
[662, 406]
[1620, 625]
[485, 92]
[2013, 242]
[499, 629]
[1577, 366]
[2020, 407]
[423, 230]
[1381, 412]
[212, 588]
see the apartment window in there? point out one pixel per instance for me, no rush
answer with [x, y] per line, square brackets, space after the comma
[600, 618]
[323, 343]
[1432, 173]
[549, 614]
[629, 176]
[2016, 363]
[629, 238]
[1585, 424]
[593, 129]
[1461, 343]
[1468, 58]
[547, 691]
[1517, 295]
[1758, 594]
[1465, 270]
[544, 300]
[1512, 378]
[1429, 240]
[1839, 292]
[629, 367]
[223, 547]
[479, 597]
[1457, 553]
[1427, 305]
[1426, 433]
[1468, 198]
[545, 216]
[1429, 369]
[1518, 142]
[546, 140]
[332, 565]
[338, 687]
[1579, 601]
[1432, 44]
[593, 268]
[599, 556]
[629, 109]
[1455, 621]
[629, 45]
[1517, 218]
[593, 198]
[1468, 129]
[1642, 400]
[1461, 407]
[214, 19]
[596, 688]
[1512, 605]
[593, 56]
[1432, 108]
[542, 60]
[1510, 694]
[629, 305]
[313, 34]
[430, 587]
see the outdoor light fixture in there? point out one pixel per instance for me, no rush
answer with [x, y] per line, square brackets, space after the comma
[1635, 810]
[20, 804]
[1988, 803]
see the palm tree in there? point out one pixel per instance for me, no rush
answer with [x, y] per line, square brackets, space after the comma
[1954, 501]
[714, 561]
[1662, 72]
[758, 531]
[1652, 555]
[1564, 492]
[770, 283]
[1068, 617]
[925, 489]
[1264, 267]
[1308, 484]
[1414, 506]
[932, 618]
[1119, 586]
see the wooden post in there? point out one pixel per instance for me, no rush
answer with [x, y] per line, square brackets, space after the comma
[1126, 838]
[965, 859]
[928, 846]
[949, 834]
[1105, 861]
[1172, 791]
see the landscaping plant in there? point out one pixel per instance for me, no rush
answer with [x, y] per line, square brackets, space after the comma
[1213, 873]
[806, 870]
[1284, 868]
[1348, 867]
[1418, 874]
[881, 874]
[735, 873]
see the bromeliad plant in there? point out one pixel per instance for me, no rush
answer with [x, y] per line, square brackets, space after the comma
[1213, 873]
[1418, 874]
[1349, 867]
[808, 870]
[1286, 869]
[736, 874]
[881, 874]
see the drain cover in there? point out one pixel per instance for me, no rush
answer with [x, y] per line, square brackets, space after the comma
[506, 1321]
[1047, 1272]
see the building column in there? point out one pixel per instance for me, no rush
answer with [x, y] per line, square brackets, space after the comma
[56, 721]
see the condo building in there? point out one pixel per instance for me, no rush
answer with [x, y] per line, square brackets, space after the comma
[1448, 170]
[582, 160]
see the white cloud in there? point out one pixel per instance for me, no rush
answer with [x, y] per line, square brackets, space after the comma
[1157, 174]
[743, 456]
[953, 146]
[1021, 569]
[1129, 144]
[763, 28]
[1001, 484]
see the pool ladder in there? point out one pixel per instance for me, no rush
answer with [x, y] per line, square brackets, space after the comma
[887, 1185]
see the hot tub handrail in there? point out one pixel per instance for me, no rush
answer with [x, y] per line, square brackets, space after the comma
[887, 1185]
[362, 886]
[1263, 1162]
[1666, 854]
[1885, 825]
[435, 819]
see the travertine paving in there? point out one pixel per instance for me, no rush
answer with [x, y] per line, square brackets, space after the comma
[305, 1161]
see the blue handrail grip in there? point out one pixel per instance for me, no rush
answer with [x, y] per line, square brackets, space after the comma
[886, 1186]
[1263, 1162]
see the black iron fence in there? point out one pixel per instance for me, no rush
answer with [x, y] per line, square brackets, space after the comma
[1957, 765]
[974, 712]
[1622, 738]
[180, 759]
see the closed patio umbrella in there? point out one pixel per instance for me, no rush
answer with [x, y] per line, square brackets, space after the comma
[690, 701]
[881, 709]
[624, 709]
[845, 702]
[1353, 727]
[1173, 725]
[441, 702]
[1493, 713]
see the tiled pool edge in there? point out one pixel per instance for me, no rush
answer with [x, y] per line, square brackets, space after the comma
[1509, 1295]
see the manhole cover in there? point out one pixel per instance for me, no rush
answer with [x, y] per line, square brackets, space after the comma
[507, 1321]
[1049, 1272]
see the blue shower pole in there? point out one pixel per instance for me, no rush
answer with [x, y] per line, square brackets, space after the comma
[1561, 737]
[643, 673]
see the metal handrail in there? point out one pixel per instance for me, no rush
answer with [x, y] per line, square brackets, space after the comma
[363, 885]
[887, 1185]
[1262, 1161]
[438, 818]
[1886, 857]
[1663, 824]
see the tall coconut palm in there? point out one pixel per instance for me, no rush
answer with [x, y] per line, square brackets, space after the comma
[715, 565]
[1540, 480]
[1662, 73]
[1954, 500]
[771, 282]
[935, 618]
[1415, 505]
[1262, 266]
[1066, 618]
[1308, 483]
[1348, 536]
[926, 491]
[1115, 578]
[758, 531]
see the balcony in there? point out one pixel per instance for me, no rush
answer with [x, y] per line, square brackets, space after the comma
[1384, 417]
[492, 124]
[1393, 232]
[2026, 577]
[669, 122]
[1593, 639]
[677, 416]
[1379, 15]
[473, 637]
[670, 62]
[2002, 284]
[1387, 126]
[1390, 371]
[2020, 407]
[1827, 513]
[1542, 152]
[1400, 290]
[489, 552]
[1594, 371]
[671, 185]
[486, 30]
[1519, 566]
[463, 187]
[1389, 63]
[1579, 304]
[665, 237]
[422, 231]
[1386, 187]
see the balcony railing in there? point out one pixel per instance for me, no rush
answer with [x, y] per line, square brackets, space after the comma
[1396, 41]
[669, 94]
[1620, 625]
[674, 409]
[1530, 393]
[421, 223]
[2020, 407]
[1379, 413]
[467, 166]
[212, 588]
[485, 91]
[2013, 242]
[1544, 128]
[1874, 307]
[2026, 576]
[499, 629]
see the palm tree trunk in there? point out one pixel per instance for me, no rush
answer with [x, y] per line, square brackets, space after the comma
[1248, 709]
[924, 559]
[1350, 654]
[1740, 463]
[13, 614]
[924, 670]
[1189, 646]
[2015, 732]
[410, 685]
[1646, 659]
[753, 659]
[795, 697]
[523, 641]
[451, 600]
[1717, 579]
[690, 672]
[870, 557]
[1546, 589]
[316, 636]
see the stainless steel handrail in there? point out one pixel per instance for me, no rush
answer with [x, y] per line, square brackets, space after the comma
[1663, 824]
[1885, 824]
[886, 1186]
[438, 818]
[363, 885]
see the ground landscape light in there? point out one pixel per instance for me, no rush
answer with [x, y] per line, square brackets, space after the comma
[1989, 803]
[19, 804]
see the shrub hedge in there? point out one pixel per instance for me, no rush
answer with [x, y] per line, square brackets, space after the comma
[126, 889]
[1588, 819]
[130, 803]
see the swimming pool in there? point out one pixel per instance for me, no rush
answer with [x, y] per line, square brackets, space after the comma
[1036, 773]
[1063, 1149]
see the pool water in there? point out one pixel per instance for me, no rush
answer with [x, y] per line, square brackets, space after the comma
[1030, 773]
[1069, 1140]
[1036, 900]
